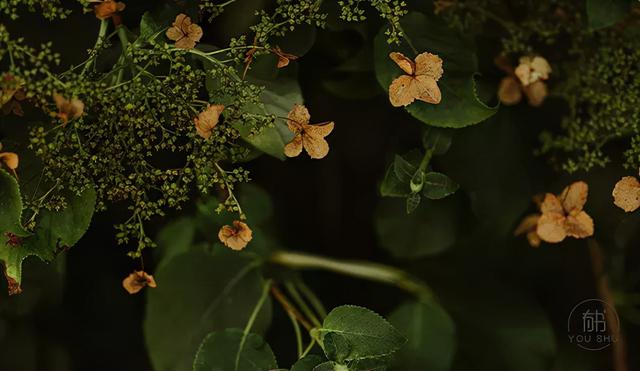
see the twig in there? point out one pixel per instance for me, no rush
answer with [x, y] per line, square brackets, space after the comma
[289, 308]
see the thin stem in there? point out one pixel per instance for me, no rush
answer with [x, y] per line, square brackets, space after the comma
[104, 25]
[361, 269]
[604, 292]
[298, 333]
[309, 347]
[289, 308]
[291, 289]
[252, 319]
[311, 297]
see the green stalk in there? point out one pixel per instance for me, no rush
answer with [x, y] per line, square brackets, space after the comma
[252, 319]
[360, 269]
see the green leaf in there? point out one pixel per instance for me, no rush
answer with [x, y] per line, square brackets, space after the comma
[437, 140]
[10, 206]
[174, 239]
[429, 230]
[403, 169]
[218, 351]
[331, 366]
[417, 181]
[431, 337]
[412, 202]
[308, 363]
[352, 333]
[604, 13]
[278, 97]
[54, 231]
[391, 186]
[438, 185]
[460, 105]
[199, 293]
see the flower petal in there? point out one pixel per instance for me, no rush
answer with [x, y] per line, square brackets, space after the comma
[551, 204]
[579, 225]
[574, 196]
[298, 116]
[403, 91]
[551, 227]
[429, 65]
[406, 64]
[428, 90]
[626, 194]
[294, 148]
[509, 91]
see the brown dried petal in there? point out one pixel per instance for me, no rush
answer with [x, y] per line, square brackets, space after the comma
[294, 148]
[551, 204]
[10, 160]
[574, 196]
[430, 65]
[402, 91]
[551, 227]
[313, 139]
[579, 225]
[184, 32]
[541, 68]
[529, 223]
[137, 280]
[534, 239]
[298, 116]
[237, 236]
[509, 91]
[536, 93]
[626, 194]
[107, 8]
[406, 64]
[208, 119]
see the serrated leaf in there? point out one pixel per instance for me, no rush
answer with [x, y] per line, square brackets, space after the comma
[604, 13]
[10, 206]
[54, 231]
[413, 201]
[460, 105]
[361, 332]
[218, 351]
[199, 293]
[438, 185]
[331, 366]
[437, 140]
[308, 363]
[431, 229]
[430, 336]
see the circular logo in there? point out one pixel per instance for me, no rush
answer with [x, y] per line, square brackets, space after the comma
[593, 324]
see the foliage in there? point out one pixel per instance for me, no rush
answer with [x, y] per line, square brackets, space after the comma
[155, 116]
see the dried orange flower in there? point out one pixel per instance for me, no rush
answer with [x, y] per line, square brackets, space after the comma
[68, 109]
[208, 119]
[511, 87]
[237, 236]
[420, 81]
[184, 33]
[560, 217]
[311, 137]
[528, 226]
[283, 58]
[532, 69]
[108, 8]
[137, 280]
[9, 159]
[626, 194]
